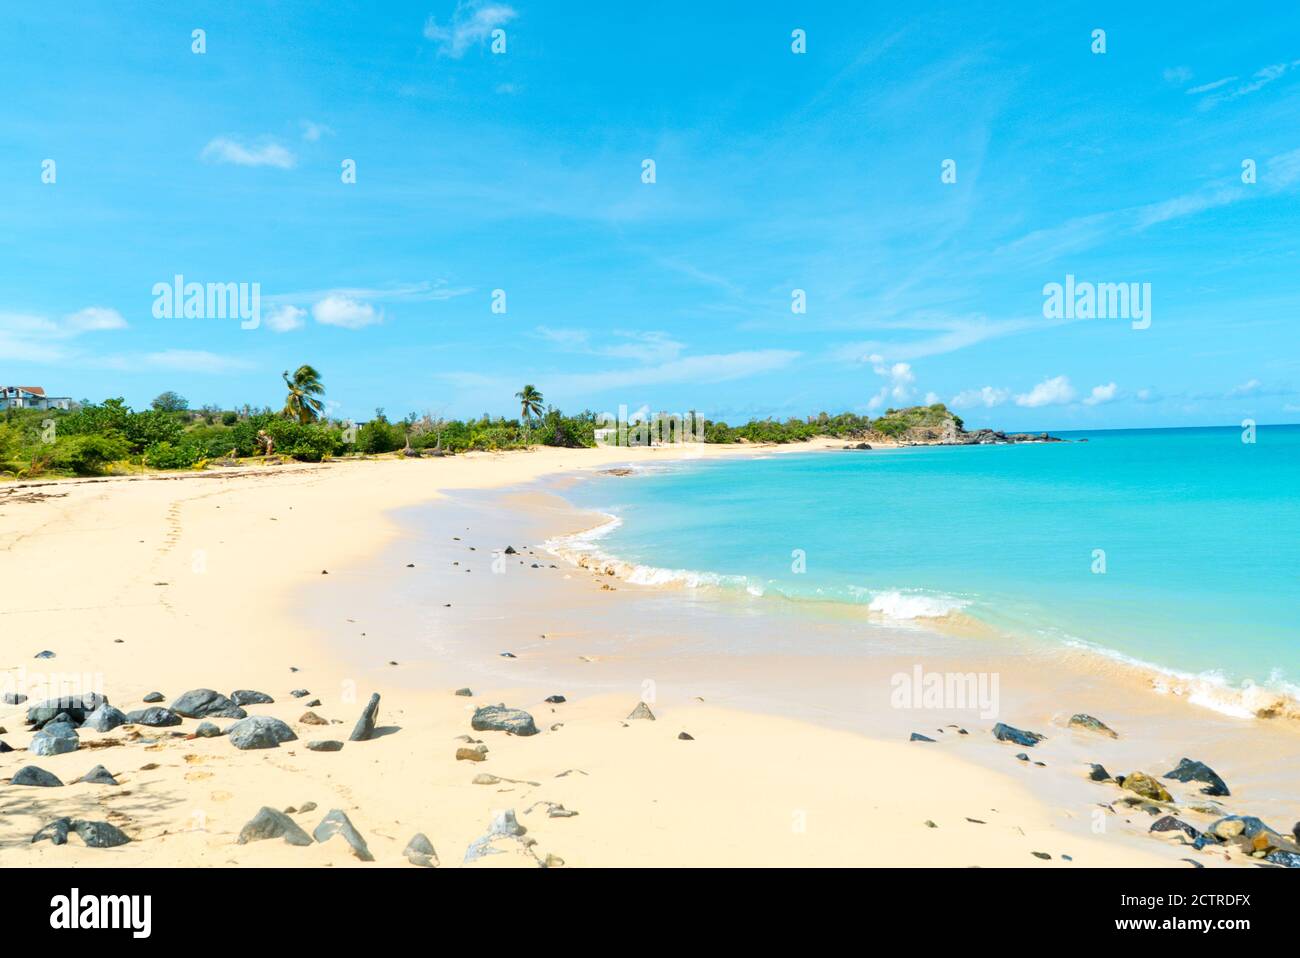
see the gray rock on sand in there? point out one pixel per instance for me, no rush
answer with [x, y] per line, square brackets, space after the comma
[152, 697]
[250, 697]
[94, 834]
[154, 717]
[918, 737]
[100, 834]
[207, 730]
[1169, 823]
[325, 745]
[259, 731]
[504, 825]
[98, 776]
[56, 738]
[1192, 771]
[1098, 773]
[38, 777]
[104, 719]
[56, 831]
[1009, 733]
[311, 718]
[498, 718]
[465, 692]
[642, 711]
[1092, 724]
[419, 851]
[200, 703]
[365, 726]
[269, 823]
[337, 823]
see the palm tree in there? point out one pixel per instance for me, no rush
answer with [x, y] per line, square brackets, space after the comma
[530, 402]
[304, 387]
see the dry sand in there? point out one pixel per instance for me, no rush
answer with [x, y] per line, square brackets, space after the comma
[198, 576]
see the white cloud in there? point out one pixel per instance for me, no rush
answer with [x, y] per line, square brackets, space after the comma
[471, 23]
[931, 398]
[1177, 75]
[1102, 394]
[988, 397]
[95, 319]
[225, 150]
[337, 310]
[284, 319]
[1050, 392]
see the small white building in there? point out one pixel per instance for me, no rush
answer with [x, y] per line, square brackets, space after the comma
[31, 397]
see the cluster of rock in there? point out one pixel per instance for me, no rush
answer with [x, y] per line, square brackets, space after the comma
[1245, 834]
[992, 437]
[56, 723]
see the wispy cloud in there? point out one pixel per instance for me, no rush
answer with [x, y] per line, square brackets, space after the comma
[267, 153]
[25, 337]
[471, 24]
[720, 367]
[1259, 79]
[648, 346]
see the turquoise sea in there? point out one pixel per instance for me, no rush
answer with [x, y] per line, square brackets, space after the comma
[1199, 533]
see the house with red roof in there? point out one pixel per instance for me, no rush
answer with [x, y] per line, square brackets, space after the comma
[31, 397]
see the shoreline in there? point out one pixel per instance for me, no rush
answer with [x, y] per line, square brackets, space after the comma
[1252, 701]
[208, 602]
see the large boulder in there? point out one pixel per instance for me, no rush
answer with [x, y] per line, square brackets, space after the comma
[100, 834]
[200, 703]
[259, 731]
[1191, 771]
[498, 718]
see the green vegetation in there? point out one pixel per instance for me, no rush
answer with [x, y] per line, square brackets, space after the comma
[110, 437]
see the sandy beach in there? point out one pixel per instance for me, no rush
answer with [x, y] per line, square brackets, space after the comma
[199, 581]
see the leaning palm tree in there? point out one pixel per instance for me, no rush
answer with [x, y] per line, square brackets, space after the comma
[530, 402]
[304, 387]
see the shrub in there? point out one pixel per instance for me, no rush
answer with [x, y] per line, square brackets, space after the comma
[86, 455]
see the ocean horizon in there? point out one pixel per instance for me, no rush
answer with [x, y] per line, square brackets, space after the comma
[1174, 549]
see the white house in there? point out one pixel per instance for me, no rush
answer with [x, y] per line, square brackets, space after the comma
[31, 397]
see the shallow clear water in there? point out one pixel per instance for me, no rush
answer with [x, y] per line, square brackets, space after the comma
[1200, 534]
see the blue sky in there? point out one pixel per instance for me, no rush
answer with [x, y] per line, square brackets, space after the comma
[775, 171]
